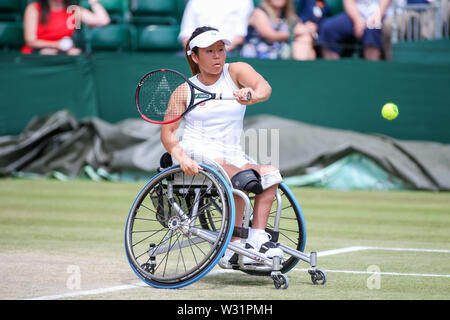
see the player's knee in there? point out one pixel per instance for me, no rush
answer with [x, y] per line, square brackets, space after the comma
[247, 180]
[267, 175]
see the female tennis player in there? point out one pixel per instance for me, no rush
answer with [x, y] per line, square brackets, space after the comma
[213, 129]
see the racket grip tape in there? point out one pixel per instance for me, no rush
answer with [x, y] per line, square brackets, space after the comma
[220, 96]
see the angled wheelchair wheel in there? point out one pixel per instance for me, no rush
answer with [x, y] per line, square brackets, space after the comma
[291, 228]
[179, 227]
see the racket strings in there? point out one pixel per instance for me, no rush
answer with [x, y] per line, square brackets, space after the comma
[163, 96]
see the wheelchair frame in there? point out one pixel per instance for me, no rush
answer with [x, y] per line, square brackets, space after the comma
[184, 223]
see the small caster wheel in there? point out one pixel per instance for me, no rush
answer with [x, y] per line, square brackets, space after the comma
[280, 281]
[149, 267]
[318, 276]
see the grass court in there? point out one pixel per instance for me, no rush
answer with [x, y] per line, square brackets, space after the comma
[65, 240]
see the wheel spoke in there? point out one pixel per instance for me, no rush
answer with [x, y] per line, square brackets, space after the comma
[156, 229]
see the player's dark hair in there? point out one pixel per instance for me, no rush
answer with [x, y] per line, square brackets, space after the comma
[192, 65]
[45, 9]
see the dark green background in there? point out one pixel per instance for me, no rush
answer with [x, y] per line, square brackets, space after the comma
[346, 94]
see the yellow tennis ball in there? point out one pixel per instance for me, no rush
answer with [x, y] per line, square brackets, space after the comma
[389, 111]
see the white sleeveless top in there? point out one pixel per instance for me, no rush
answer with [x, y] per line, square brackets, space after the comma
[213, 129]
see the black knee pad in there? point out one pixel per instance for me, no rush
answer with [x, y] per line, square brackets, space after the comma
[247, 180]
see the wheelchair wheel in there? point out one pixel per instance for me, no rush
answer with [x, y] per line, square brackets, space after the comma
[179, 227]
[291, 228]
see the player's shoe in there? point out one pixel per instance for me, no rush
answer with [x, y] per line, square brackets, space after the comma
[260, 240]
[231, 258]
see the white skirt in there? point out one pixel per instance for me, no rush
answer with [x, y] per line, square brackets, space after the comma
[203, 153]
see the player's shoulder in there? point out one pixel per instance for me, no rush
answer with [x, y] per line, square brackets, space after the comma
[240, 70]
[239, 66]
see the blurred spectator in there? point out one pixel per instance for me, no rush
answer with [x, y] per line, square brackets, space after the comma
[412, 23]
[229, 16]
[446, 16]
[50, 24]
[362, 20]
[275, 32]
[313, 11]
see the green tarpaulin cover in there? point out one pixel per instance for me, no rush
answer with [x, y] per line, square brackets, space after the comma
[61, 146]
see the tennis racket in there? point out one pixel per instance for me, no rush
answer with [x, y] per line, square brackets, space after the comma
[164, 96]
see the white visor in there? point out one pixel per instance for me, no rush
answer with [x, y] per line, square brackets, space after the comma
[206, 39]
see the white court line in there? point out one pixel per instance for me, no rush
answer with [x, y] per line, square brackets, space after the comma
[338, 251]
[384, 273]
[410, 249]
[91, 292]
[220, 271]
[358, 248]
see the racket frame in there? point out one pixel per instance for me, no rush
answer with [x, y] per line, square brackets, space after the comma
[192, 88]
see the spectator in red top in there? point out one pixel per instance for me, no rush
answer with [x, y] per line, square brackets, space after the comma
[50, 24]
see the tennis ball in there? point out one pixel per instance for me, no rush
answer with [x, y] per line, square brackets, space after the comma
[389, 111]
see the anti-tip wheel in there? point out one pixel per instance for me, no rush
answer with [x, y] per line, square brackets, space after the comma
[318, 276]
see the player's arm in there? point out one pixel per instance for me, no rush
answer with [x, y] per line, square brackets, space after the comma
[172, 145]
[251, 81]
[177, 105]
[170, 141]
[168, 138]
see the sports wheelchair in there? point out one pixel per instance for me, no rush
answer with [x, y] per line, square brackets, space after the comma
[179, 227]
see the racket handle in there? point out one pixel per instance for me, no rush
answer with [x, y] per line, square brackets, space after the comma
[220, 97]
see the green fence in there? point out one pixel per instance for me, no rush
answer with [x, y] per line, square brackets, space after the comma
[345, 94]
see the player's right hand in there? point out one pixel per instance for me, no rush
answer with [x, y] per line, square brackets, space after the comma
[244, 93]
[189, 166]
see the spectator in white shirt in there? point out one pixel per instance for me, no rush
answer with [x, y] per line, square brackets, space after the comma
[229, 16]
